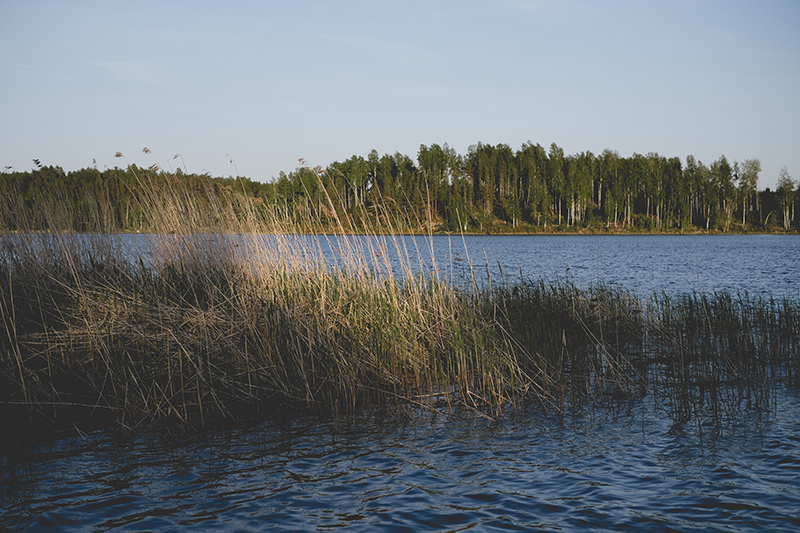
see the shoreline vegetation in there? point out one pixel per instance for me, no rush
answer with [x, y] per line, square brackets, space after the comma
[216, 321]
[490, 190]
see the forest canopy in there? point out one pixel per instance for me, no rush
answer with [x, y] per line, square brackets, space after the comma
[490, 189]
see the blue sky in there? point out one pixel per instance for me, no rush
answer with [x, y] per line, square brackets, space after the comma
[266, 83]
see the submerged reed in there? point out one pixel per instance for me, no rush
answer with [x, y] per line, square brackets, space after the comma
[228, 308]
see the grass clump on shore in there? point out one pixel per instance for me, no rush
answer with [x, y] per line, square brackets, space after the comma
[226, 308]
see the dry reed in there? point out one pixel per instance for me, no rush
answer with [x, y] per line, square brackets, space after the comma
[230, 307]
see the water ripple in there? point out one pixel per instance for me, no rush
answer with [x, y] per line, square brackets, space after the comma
[609, 471]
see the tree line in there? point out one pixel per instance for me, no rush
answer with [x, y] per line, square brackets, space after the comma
[491, 188]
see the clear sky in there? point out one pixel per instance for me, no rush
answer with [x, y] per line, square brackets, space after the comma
[265, 83]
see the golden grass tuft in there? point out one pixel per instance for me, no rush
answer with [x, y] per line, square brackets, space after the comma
[229, 306]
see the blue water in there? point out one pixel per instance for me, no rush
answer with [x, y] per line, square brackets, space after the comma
[762, 265]
[604, 470]
[629, 468]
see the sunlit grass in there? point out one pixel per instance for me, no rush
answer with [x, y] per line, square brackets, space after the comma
[229, 309]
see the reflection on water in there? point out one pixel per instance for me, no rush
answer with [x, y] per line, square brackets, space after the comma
[627, 470]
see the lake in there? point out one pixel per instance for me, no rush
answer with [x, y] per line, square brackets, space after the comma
[762, 265]
[623, 468]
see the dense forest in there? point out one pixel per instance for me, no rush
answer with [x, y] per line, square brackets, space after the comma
[491, 189]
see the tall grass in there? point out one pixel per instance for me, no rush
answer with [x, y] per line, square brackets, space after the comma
[229, 308]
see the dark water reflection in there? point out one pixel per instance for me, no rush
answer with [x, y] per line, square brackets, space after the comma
[626, 470]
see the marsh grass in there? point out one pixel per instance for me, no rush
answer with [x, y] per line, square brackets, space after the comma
[230, 308]
[722, 353]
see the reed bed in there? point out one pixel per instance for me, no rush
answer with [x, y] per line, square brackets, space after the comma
[230, 308]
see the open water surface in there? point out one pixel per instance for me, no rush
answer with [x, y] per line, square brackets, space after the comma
[604, 470]
[762, 265]
[625, 469]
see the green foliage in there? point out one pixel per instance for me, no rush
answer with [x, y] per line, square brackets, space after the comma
[227, 309]
[786, 196]
[491, 188]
